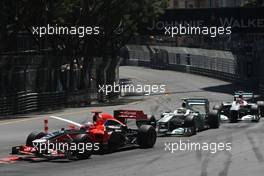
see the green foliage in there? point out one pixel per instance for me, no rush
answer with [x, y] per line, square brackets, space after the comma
[118, 19]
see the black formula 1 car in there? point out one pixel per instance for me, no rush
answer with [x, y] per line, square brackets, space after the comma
[192, 117]
[106, 133]
[243, 108]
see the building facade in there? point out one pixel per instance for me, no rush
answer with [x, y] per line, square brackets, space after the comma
[205, 3]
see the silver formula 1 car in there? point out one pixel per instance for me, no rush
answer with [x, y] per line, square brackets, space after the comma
[192, 117]
[243, 108]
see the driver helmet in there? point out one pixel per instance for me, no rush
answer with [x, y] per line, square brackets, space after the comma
[181, 110]
[240, 97]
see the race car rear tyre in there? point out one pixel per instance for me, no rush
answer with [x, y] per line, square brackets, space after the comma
[33, 136]
[213, 119]
[255, 111]
[261, 108]
[233, 116]
[146, 136]
[79, 153]
[193, 129]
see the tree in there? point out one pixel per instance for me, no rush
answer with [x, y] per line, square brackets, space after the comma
[118, 21]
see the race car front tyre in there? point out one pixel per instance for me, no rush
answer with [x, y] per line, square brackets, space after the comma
[233, 116]
[190, 123]
[33, 136]
[80, 153]
[147, 136]
[261, 108]
[213, 119]
[193, 129]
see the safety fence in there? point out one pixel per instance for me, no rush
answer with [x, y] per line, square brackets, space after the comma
[34, 81]
[24, 102]
[213, 63]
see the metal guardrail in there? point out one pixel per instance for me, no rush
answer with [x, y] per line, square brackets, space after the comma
[23, 71]
[213, 73]
[48, 100]
[23, 102]
[16, 103]
[212, 63]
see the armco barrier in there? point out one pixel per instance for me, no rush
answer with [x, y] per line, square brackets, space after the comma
[27, 102]
[178, 67]
[212, 63]
[23, 102]
[49, 100]
[213, 73]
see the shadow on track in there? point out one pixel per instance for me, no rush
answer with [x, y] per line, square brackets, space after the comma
[231, 88]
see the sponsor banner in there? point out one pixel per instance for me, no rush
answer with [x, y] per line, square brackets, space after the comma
[241, 20]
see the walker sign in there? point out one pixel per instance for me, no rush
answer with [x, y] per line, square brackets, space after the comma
[241, 20]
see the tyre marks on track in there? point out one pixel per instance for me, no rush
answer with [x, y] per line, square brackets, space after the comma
[228, 160]
[208, 159]
[198, 153]
[255, 148]
[205, 164]
[161, 103]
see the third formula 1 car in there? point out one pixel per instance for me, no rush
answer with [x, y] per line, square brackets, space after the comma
[242, 108]
[193, 116]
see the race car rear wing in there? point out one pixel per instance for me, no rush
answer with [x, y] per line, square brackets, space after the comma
[246, 95]
[140, 117]
[130, 114]
[195, 100]
[190, 102]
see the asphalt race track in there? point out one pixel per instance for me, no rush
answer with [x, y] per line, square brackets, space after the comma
[246, 157]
